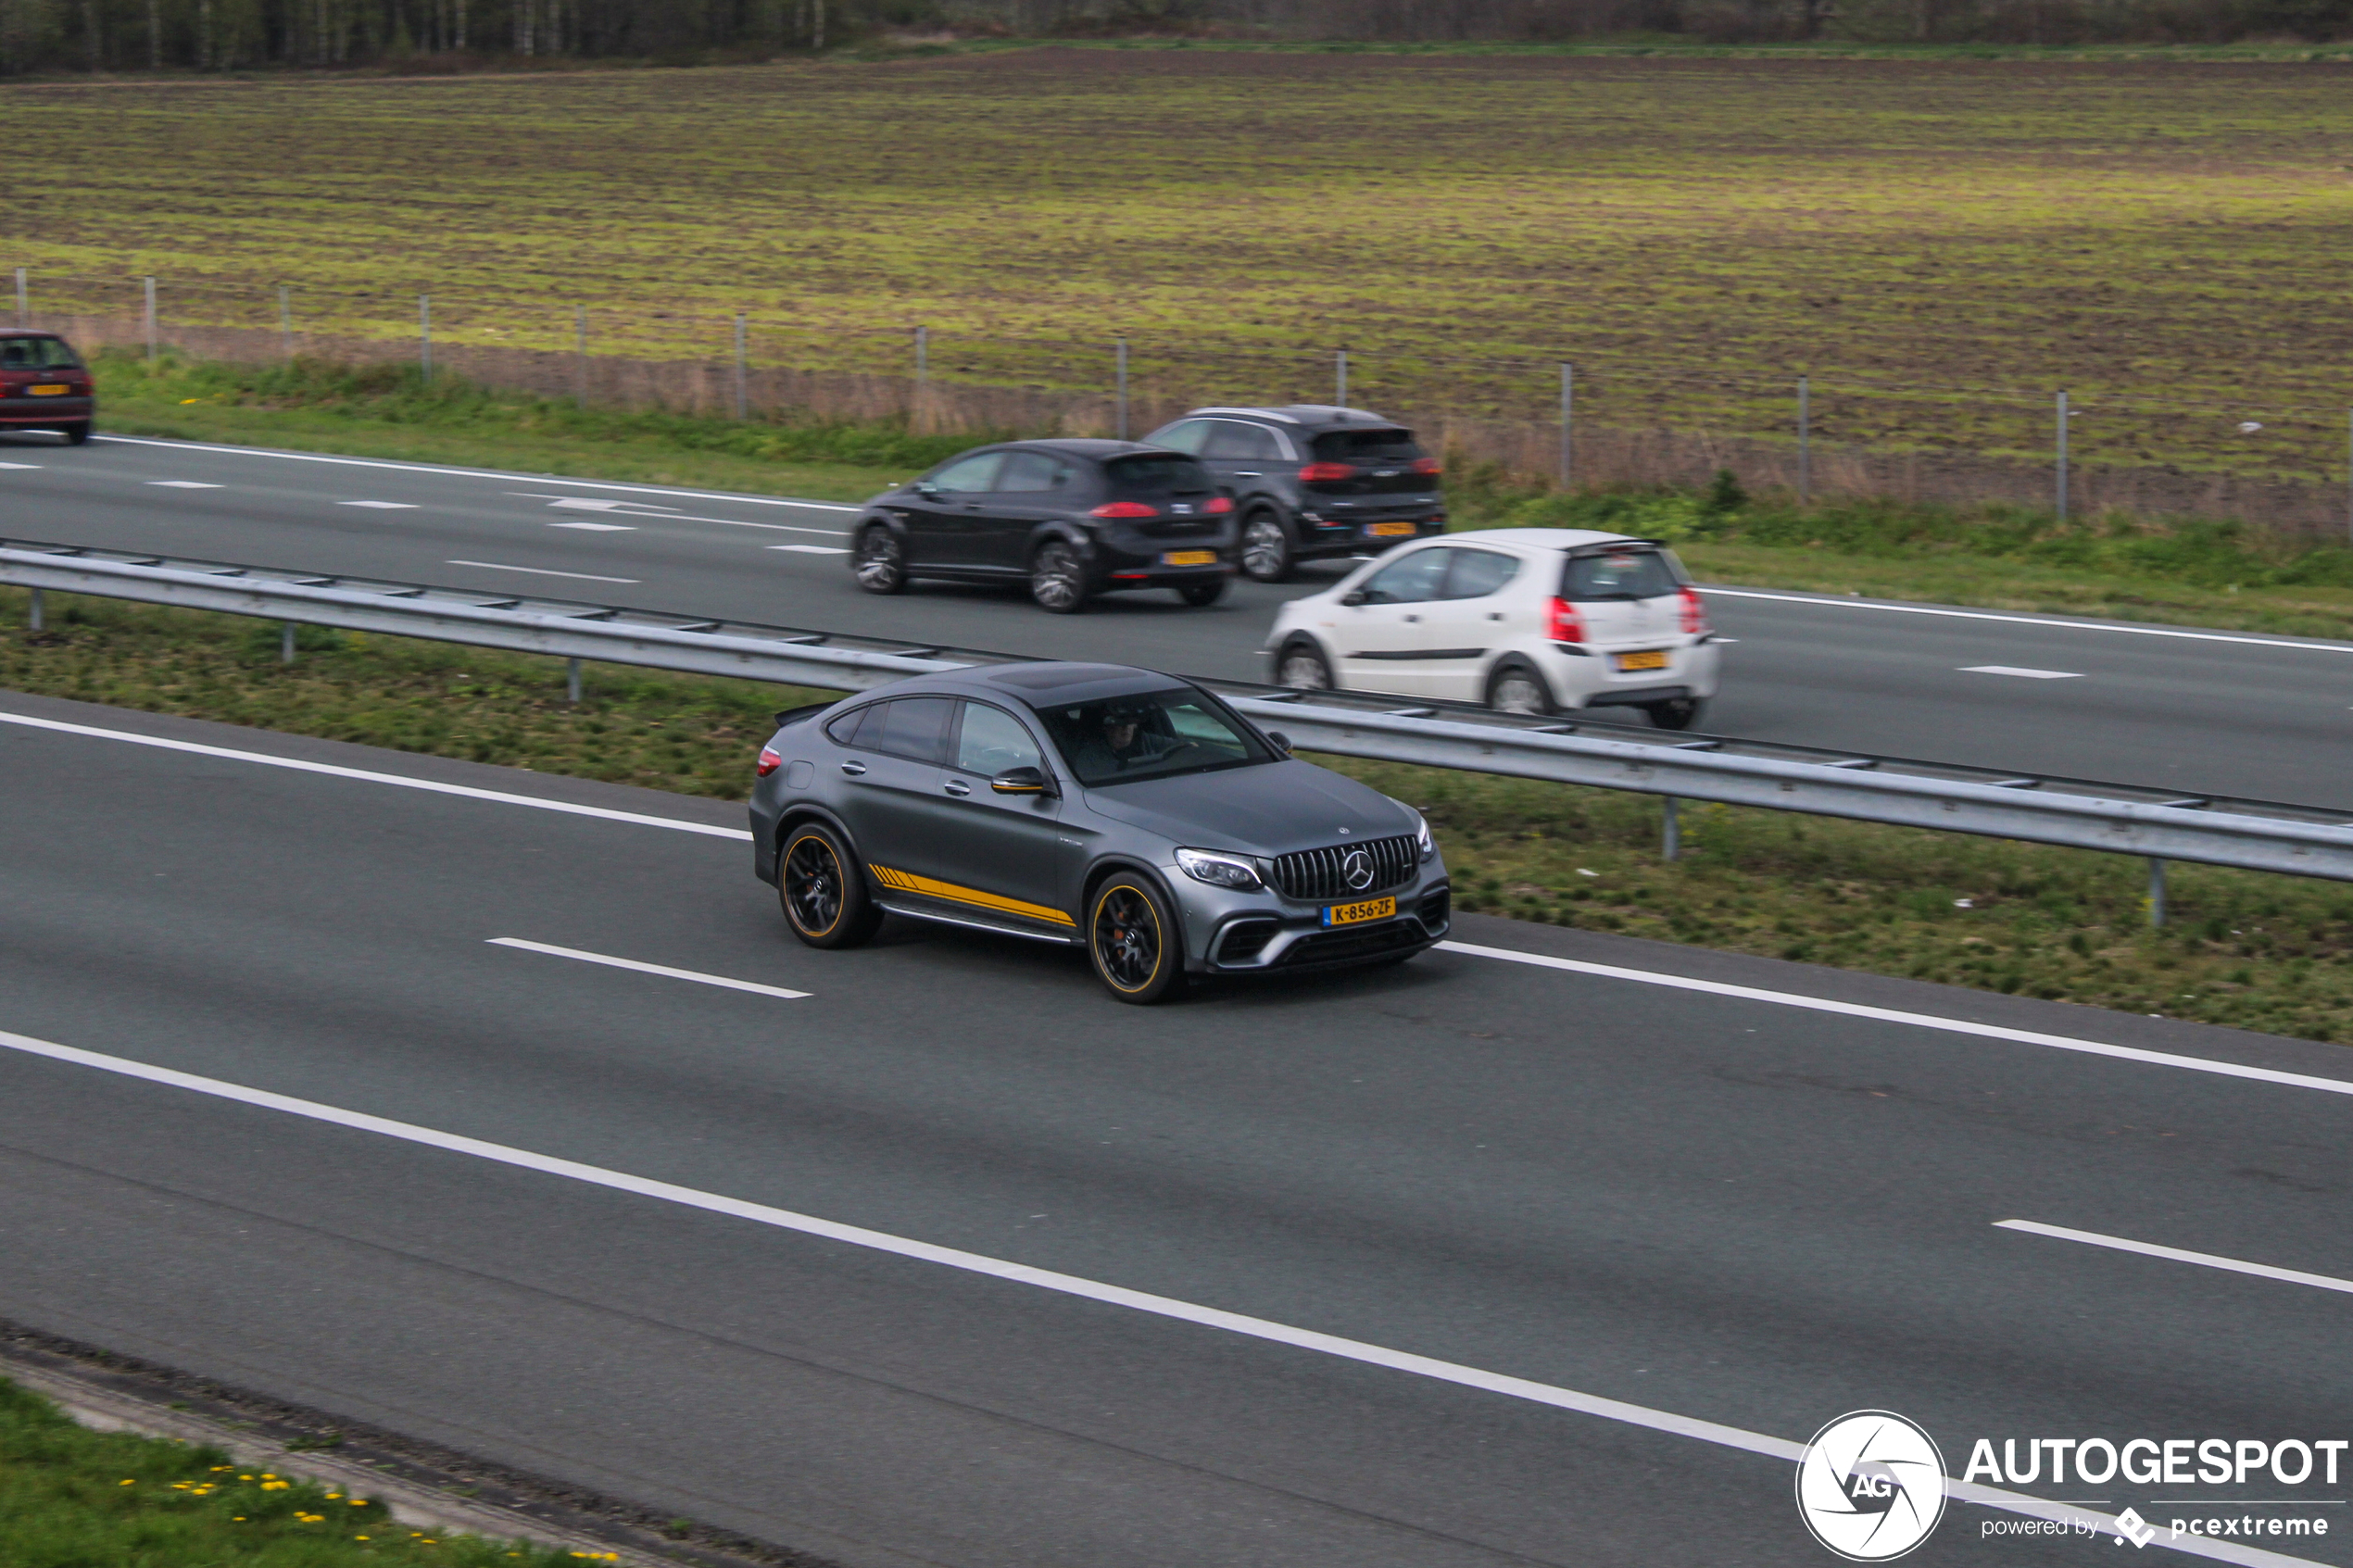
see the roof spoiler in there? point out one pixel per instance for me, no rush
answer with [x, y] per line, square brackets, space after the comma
[1604, 546]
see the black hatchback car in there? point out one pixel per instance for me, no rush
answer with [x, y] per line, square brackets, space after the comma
[1067, 518]
[44, 386]
[1312, 480]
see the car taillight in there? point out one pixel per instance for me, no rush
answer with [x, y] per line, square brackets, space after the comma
[1219, 504]
[769, 761]
[1125, 509]
[1322, 473]
[1428, 466]
[1567, 626]
[1695, 613]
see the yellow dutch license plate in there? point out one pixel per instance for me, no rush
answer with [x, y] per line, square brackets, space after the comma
[1649, 658]
[1190, 558]
[1357, 915]
[1388, 529]
[48, 391]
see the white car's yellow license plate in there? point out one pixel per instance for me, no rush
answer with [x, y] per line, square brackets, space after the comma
[1649, 658]
[48, 391]
[1357, 915]
[1190, 558]
[1388, 529]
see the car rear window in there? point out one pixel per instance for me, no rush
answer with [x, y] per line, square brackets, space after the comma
[1383, 444]
[914, 727]
[1171, 475]
[1644, 573]
[36, 354]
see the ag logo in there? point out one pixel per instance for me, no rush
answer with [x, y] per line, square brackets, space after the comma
[1871, 1485]
[1356, 869]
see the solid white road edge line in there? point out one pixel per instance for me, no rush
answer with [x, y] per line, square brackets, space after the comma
[474, 473]
[1507, 955]
[2177, 1255]
[1086, 1289]
[642, 968]
[430, 786]
[2315, 646]
[1918, 1020]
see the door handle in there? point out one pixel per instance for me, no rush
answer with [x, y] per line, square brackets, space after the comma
[959, 788]
[1494, 615]
[1413, 618]
[855, 770]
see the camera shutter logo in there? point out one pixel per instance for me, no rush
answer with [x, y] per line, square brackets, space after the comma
[1871, 1485]
[1356, 869]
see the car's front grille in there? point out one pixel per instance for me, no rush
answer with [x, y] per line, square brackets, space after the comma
[1340, 946]
[1320, 875]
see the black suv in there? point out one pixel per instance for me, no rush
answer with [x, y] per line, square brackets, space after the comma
[1069, 518]
[1311, 480]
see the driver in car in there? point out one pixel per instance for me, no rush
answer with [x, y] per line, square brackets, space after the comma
[1122, 742]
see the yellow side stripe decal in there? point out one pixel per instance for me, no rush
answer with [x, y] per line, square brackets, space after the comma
[907, 881]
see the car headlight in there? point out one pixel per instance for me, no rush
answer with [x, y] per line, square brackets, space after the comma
[1423, 843]
[1218, 871]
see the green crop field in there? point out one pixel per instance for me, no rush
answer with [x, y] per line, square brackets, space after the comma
[1940, 242]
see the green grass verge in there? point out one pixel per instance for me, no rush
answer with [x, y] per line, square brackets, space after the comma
[2258, 952]
[73, 1497]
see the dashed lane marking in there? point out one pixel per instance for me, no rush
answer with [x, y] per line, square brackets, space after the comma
[2016, 672]
[382, 505]
[640, 966]
[596, 527]
[813, 549]
[2177, 1255]
[183, 484]
[542, 572]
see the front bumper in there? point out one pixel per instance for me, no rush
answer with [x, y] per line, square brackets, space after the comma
[1261, 932]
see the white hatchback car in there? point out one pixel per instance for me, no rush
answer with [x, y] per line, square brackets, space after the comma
[1524, 620]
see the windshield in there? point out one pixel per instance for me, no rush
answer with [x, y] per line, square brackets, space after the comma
[1150, 735]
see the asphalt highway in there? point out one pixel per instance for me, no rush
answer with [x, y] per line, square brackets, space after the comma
[2201, 712]
[1243, 1280]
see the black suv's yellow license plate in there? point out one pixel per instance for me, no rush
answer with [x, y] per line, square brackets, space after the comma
[48, 391]
[1388, 529]
[1357, 915]
[1190, 558]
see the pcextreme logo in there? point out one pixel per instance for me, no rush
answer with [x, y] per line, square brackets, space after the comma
[1871, 1485]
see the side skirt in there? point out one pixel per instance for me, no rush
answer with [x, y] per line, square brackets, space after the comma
[914, 913]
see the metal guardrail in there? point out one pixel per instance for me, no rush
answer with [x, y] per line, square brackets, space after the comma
[2257, 835]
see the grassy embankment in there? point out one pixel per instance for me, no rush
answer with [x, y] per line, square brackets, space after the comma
[73, 1497]
[1941, 242]
[2258, 952]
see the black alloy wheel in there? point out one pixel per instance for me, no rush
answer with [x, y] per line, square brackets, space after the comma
[1057, 581]
[1266, 548]
[1517, 688]
[1302, 667]
[881, 561]
[1132, 938]
[1200, 596]
[825, 897]
[1676, 713]
[76, 434]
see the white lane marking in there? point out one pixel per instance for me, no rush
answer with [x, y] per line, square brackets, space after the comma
[2315, 646]
[1333, 1344]
[430, 786]
[596, 527]
[2177, 1255]
[382, 505]
[1507, 955]
[813, 549]
[542, 572]
[1918, 1020]
[641, 968]
[20, 465]
[183, 484]
[661, 514]
[2020, 673]
[474, 473]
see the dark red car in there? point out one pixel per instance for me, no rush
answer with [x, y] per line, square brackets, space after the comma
[44, 385]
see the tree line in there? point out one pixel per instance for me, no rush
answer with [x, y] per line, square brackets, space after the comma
[228, 35]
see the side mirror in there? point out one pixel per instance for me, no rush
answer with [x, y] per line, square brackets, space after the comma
[1282, 741]
[1021, 781]
[1354, 597]
[926, 487]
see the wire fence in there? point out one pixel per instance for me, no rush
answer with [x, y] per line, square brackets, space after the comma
[1594, 415]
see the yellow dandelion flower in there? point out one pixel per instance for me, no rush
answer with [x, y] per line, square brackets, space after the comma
[131, 1481]
[359, 1538]
[357, 1502]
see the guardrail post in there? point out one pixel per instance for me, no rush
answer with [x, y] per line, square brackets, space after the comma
[285, 642]
[742, 390]
[1804, 442]
[24, 310]
[1670, 838]
[2156, 891]
[572, 680]
[424, 336]
[285, 322]
[151, 319]
[1122, 389]
[33, 620]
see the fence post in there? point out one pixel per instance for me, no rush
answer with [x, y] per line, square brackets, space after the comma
[24, 310]
[1670, 845]
[151, 319]
[2062, 456]
[1568, 410]
[32, 622]
[572, 680]
[580, 364]
[285, 321]
[2349, 476]
[1122, 389]
[1805, 441]
[2157, 892]
[743, 390]
[923, 356]
[1343, 378]
[424, 335]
